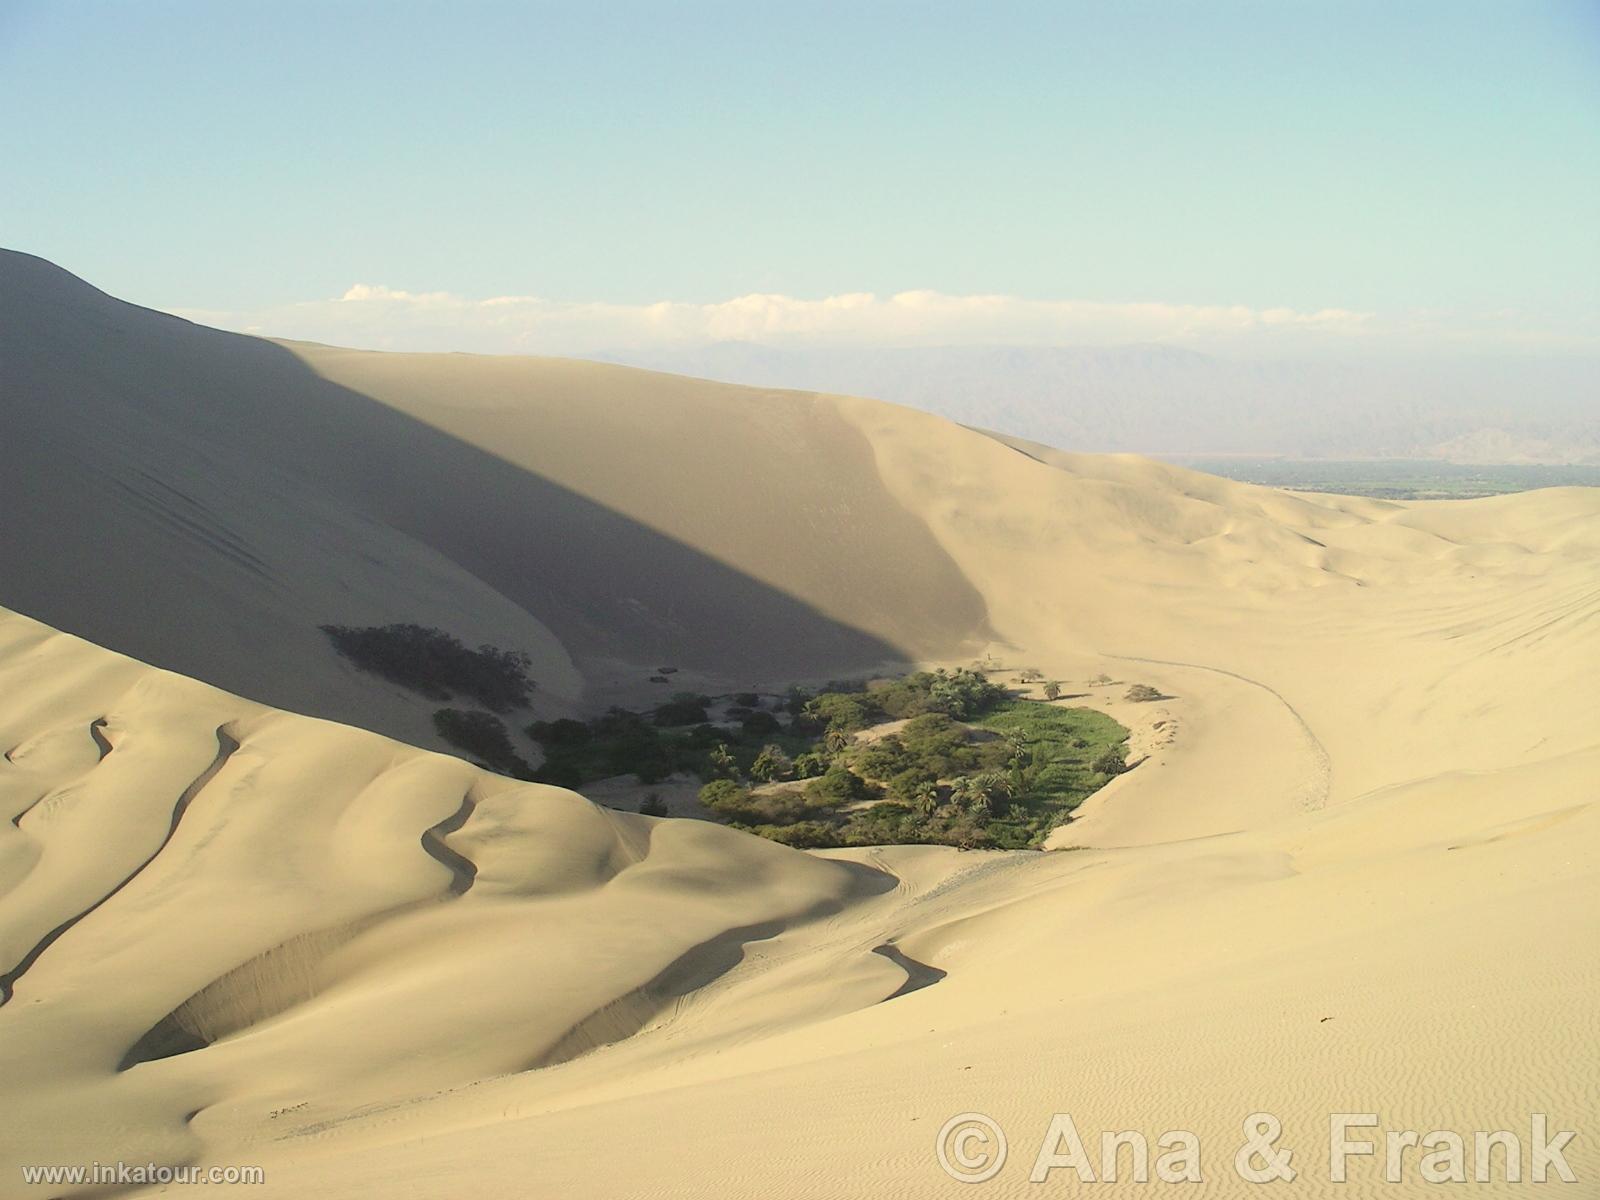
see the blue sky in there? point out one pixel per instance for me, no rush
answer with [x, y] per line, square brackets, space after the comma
[1431, 165]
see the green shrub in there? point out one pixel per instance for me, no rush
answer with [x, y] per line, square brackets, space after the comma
[881, 759]
[948, 825]
[747, 699]
[839, 712]
[837, 787]
[782, 807]
[720, 763]
[809, 765]
[760, 724]
[615, 721]
[802, 835]
[930, 728]
[1109, 762]
[619, 742]
[771, 763]
[722, 794]
[910, 786]
[557, 774]
[940, 745]
[632, 749]
[436, 664]
[483, 736]
[1142, 693]
[887, 823]
[968, 834]
[682, 709]
[962, 694]
[740, 806]
[564, 732]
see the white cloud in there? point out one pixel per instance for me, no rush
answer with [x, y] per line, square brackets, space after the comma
[372, 315]
[365, 293]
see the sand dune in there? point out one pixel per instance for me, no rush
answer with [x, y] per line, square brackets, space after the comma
[1354, 870]
[375, 1024]
[246, 494]
[227, 874]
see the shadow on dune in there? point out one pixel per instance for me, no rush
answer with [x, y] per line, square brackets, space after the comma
[918, 974]
[146, 458]
[227, 745]
[705, 964]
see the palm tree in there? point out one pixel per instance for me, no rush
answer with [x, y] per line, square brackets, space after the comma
[964, 791]
[991, 792]
[722, 761]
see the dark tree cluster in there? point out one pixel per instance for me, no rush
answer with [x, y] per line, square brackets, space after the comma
[436, 664]
[962, 694]
[1004, 779]
[483, 737]
[686, 708]
[621, 742]
[970, 767]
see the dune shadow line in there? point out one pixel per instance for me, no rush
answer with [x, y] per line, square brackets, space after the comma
[256, 429]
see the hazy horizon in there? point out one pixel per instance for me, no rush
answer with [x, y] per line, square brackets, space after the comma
[1153, 397]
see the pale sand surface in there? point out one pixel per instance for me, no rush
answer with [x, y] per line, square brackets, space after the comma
[1355, 870]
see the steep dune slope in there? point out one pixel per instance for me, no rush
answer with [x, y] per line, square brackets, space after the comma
[204, 500]
[1404, 639]
[777, 484]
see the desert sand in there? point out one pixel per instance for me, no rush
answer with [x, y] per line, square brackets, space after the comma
[1353, 871]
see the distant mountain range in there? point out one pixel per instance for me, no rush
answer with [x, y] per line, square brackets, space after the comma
[1154, 399]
